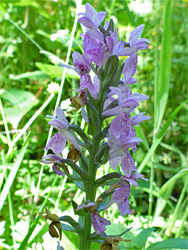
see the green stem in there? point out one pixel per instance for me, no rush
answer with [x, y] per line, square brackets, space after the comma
[177, 209]
[91, 187]
[90, 195]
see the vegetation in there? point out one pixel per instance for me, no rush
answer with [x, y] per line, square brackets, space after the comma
[29, 59]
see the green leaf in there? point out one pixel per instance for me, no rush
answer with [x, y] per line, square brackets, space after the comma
[101, 153]
[83, 162]
[56, 71]
[93, 123]
[79, 212]
[115, 79]
[170, 244]
[73, 223]
[162, 87]
[31, 75]
[69, 237]
[141, 238]
[166, 191]
[19, 102]
[110, 68]
[102, 180]
[76, 168]
[68, 228]
[81, 133]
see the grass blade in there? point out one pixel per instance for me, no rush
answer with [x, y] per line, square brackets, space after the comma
[162, 87]
[13, 173]
[160, 136]
[166, 190]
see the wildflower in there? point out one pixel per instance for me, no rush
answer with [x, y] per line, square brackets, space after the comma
[122, 191]
[58, 142]
[129, 69]
[53, 87]
[91, 19]
[134, 43]
[57, 166]
[97, 221]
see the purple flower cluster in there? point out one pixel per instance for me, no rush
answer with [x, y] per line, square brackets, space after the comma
[100, 44]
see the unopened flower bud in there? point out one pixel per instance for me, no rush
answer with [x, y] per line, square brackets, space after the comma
[111, 243]
[53, 231]
[78, 101]
[73, 154]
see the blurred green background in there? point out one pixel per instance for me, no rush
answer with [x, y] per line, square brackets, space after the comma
[34, 36]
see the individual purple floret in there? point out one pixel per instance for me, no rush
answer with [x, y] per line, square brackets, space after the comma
[134, 43]
[58, 142]
[119, 153]
[82, 65]
[125, 100]
[129, 69]
[91, 19]
[122, 191]
[95, 48]
[56, 160]
[99, 223]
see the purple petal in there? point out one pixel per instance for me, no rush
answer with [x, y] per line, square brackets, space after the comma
[131, 80]
[139, 97]
[90, 9]
[141, 45]
[121, 193]
[134, 35]
[90, 204]
[114, 153]
[130, 180]
[130, 65]
[99, 18]
[128, 164]
[57, 143]
[51, 158]
[128, 51]
[87, 22]
[85, 82]
[61, 116]
[121, 125]
[111, 112]
[139, 118]
[99, 223]
[115, 162]
[109, 43]
[57, 124]
[97, 34]
[132, 103]
[71, 138]
[118, 49]
[123, 207]
[82, 63]
[57, 169]
[114, 36]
